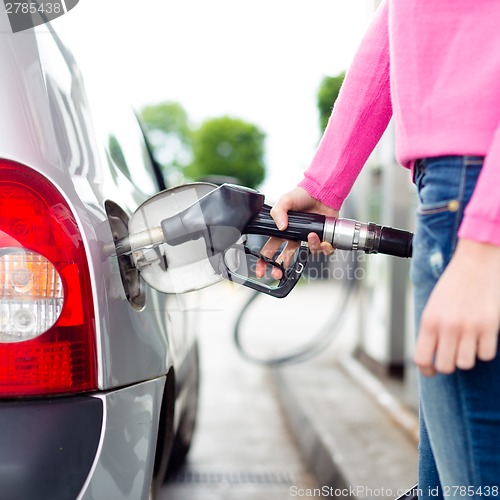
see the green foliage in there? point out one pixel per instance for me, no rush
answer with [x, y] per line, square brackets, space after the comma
[167, 117]
[229, 147]
[327, 95]
[169, 134]
[221, 147]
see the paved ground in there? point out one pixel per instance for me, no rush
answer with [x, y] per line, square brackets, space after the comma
[243, 448]
[265, 434]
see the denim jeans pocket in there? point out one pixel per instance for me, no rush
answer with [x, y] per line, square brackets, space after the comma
[444, 187]
[439, 185]
[449, 205]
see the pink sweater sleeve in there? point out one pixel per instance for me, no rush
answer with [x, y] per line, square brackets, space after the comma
[482, 215]
[360, 116]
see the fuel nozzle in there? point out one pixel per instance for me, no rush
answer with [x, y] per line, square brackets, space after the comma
[348, 234]
[188, 237]
[344, 234]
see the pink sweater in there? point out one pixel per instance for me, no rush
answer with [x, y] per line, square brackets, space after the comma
[434, 66]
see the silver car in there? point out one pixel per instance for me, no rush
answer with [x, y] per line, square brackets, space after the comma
[98, 372]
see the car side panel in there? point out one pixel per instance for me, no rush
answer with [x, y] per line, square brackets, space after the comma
[133, 346]
[125, 458]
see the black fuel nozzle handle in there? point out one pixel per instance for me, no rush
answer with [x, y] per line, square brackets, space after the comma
[344, 234]
[300, 224]
[229, 211]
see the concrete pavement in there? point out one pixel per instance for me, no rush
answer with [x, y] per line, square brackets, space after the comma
[354, 436]
[243, 448]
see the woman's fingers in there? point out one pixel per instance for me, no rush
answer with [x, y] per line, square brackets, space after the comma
[268, 250]
[487, 345]
[466, 351]
[299, 200]
[425, 350]
[461, 319]
[285, 258]
[317, 246]
[288, 252]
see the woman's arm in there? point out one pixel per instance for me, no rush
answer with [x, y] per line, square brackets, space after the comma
[360, 116]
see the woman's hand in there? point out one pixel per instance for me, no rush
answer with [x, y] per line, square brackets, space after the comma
[298, 200]
[461, 320]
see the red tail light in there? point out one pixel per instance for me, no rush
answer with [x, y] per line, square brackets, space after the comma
[47, 337]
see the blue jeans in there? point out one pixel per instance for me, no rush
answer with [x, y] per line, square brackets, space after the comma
[459, 451]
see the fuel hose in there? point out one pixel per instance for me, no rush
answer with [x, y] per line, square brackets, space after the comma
[322, 338]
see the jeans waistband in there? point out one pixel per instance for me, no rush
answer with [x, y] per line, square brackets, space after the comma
[451, 160]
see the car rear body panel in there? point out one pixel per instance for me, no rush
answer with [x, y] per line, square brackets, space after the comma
[52, 124]
[88, 447]
[124, 462]
[40, 438]
[39, 101]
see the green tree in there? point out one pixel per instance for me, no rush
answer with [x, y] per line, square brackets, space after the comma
[229, 147]
[169, 134]
[327, 95]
